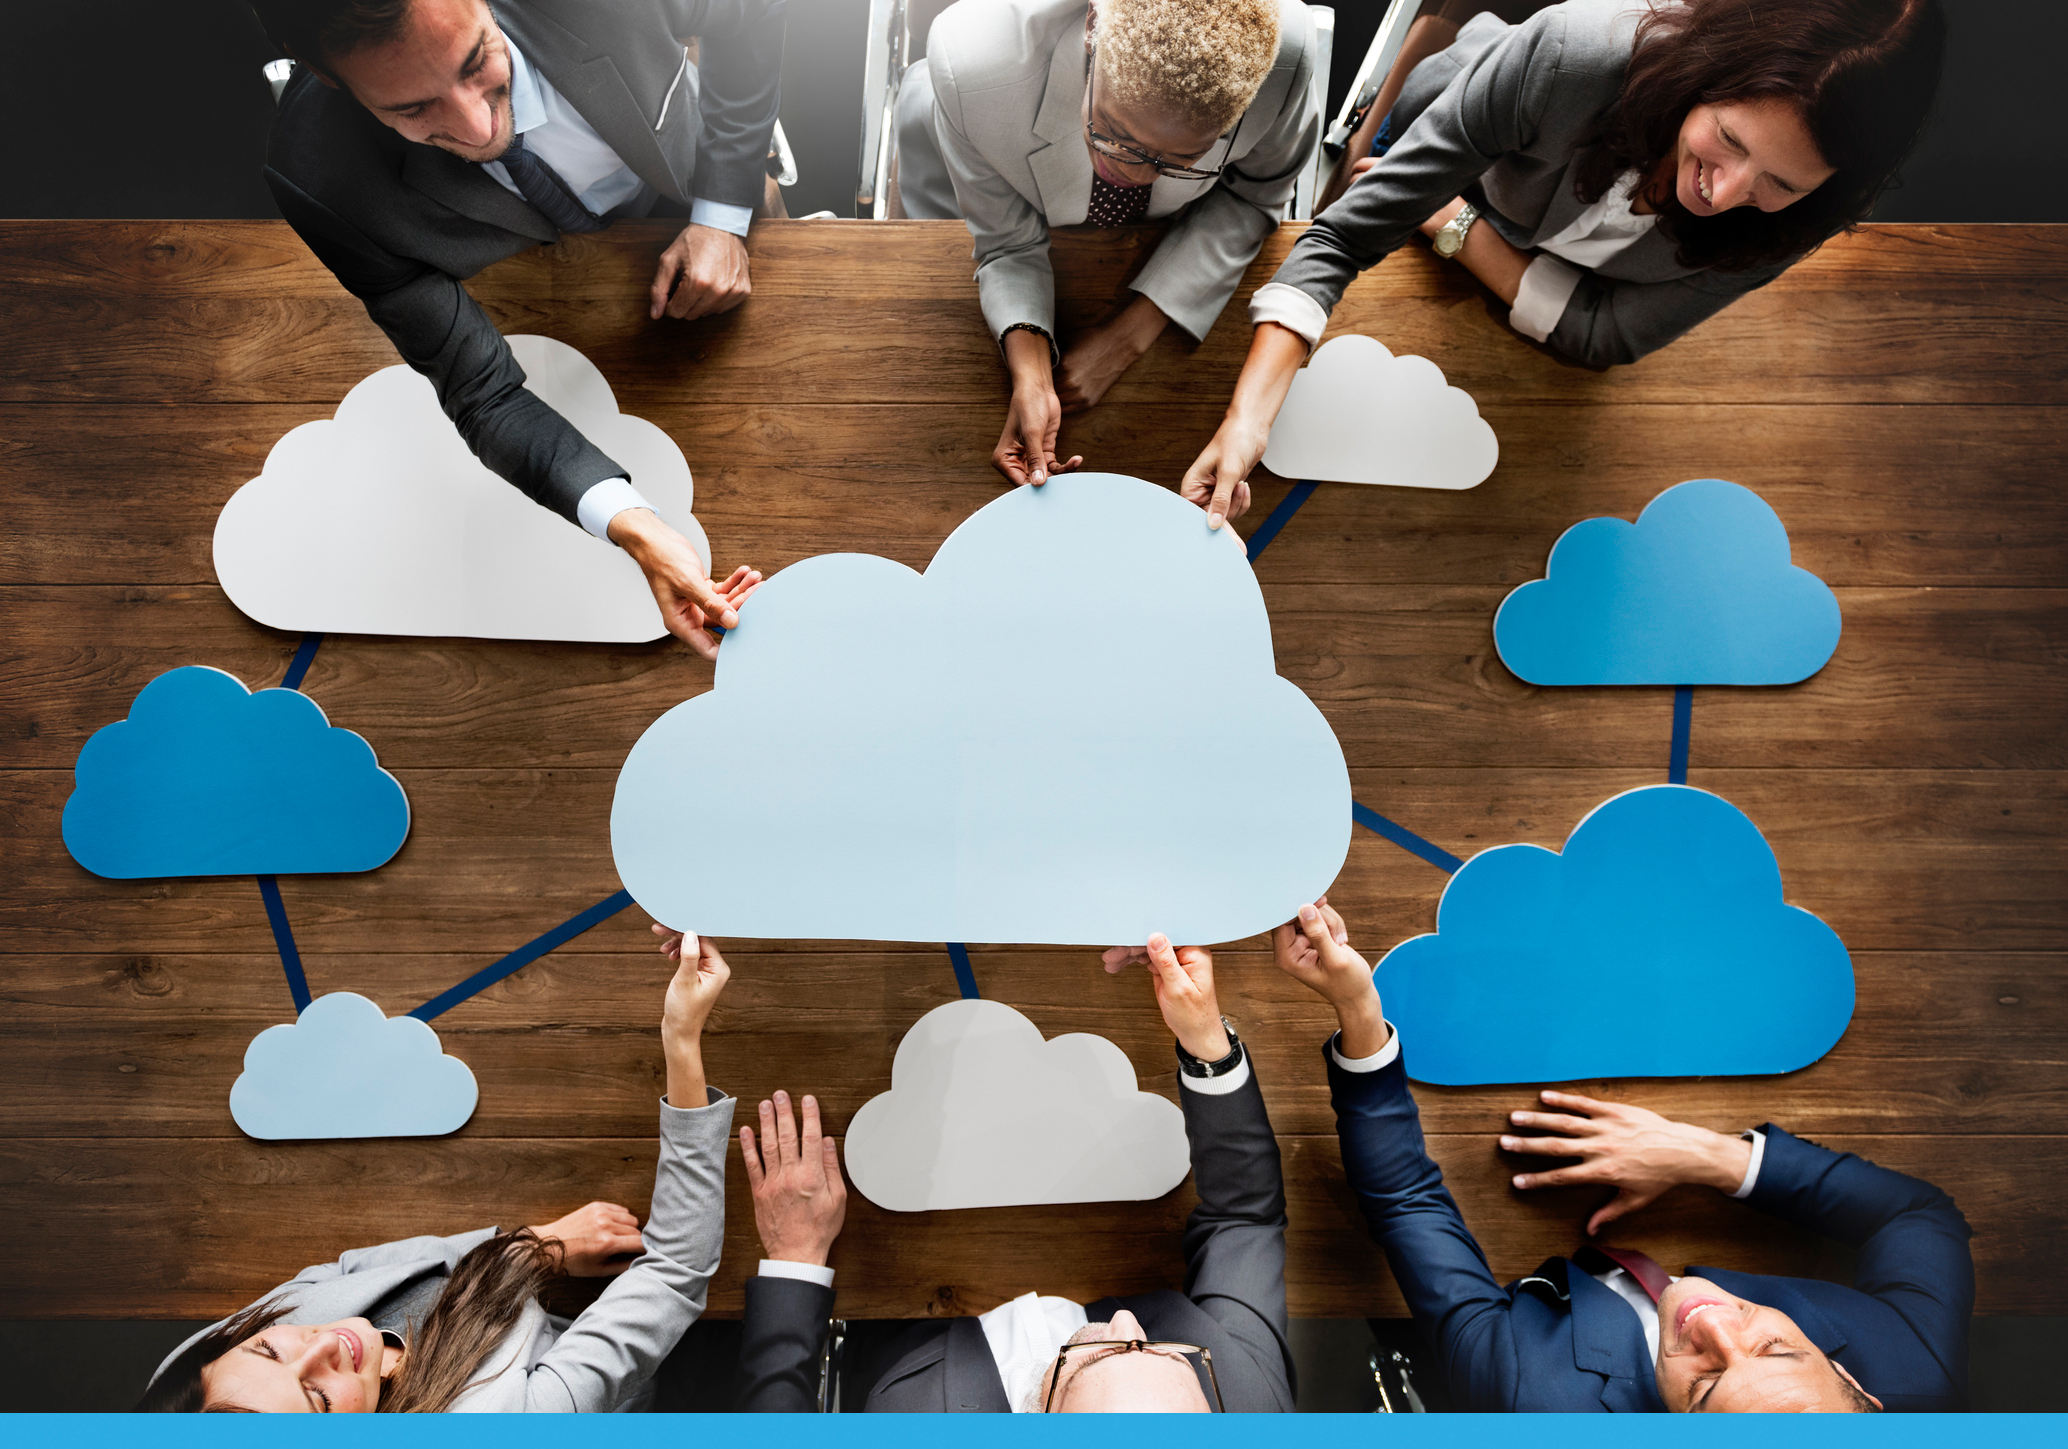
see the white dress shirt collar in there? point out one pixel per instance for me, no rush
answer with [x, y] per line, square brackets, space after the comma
[1024, 1336]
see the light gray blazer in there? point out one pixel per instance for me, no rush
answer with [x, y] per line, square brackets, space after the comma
[1008, 86]
[1509, 109]
[401, 225]
[606, 1356]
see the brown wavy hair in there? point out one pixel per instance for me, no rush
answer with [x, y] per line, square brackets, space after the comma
[1862, 74]
[481, 1303]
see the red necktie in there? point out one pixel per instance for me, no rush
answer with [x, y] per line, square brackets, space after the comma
[1641, 1266]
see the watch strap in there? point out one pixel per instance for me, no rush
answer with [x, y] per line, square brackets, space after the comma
[1192, 1066]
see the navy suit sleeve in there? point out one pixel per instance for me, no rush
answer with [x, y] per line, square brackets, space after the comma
[780, 1345]
[441, 332]
[1234, 1241]
[1459, 1307]
[1912, 1240]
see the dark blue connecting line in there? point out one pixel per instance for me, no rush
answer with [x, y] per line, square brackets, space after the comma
[1406, 839]
[1683, 726]
[964, 976]
[283, 938]
[524, 955]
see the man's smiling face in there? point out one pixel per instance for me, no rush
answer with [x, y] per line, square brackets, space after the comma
[444, 81]
[1719, 1353]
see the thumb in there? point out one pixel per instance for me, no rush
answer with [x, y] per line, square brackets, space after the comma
[1333, 953]
[1625, 1201]
[715, 605]
[1224, 491]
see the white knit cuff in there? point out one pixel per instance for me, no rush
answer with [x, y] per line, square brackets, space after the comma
[1218, 1086]
[805, 1272]
[1385, 1056]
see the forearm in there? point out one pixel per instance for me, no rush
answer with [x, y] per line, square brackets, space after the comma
[686, 1086]
[1028, 361]
[1363, 1025]
[1275, 355]
[1486, 254]
[741, 64]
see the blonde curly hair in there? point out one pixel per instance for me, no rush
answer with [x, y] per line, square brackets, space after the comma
[1202, 60]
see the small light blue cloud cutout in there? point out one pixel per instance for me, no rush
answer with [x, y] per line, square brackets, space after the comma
[1069, 730]
[346, 1069]
[1655, 945]
[1698, 591]
[207, 778]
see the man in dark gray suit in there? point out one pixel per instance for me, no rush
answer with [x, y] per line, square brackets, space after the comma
[422, 140]
[1043, 1354]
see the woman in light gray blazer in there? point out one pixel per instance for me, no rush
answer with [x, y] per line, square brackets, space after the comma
[434, 1324]
[1032, 114]
[1615, 171]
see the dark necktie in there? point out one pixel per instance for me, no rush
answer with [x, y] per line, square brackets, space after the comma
[1649, 1275]
[546, 191]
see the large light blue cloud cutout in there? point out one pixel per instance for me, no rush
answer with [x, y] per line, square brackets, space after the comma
[346, 1069]
[207, 778]
[1699, 590]
[1069, 730]
[1656, 945]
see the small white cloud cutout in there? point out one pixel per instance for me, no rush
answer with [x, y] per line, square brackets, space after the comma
[346, 1069]
[381, 521]
[1358, 414]
[982, 1112]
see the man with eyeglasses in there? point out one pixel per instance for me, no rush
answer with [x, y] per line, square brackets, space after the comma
[1608, 1329]
[1031, 114]
[1217, 1346]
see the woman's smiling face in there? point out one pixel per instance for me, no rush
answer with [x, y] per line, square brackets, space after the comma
[294, 1368]
[1746, 153]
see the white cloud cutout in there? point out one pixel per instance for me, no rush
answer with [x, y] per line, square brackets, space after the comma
[380, 521]
[1358, 414]
[346, 1069]
[982, 1112]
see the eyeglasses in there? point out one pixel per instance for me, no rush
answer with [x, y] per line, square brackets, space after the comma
[1120, 151]
[1133, 1345]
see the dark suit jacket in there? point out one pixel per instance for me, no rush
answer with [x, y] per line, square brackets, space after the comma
[1233, 1304]
[402, 224]
[1557, 1340]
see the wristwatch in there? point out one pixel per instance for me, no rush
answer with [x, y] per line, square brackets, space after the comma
[1191, 1066]
[1450, 237]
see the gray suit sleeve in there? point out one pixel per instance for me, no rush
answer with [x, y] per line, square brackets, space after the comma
[441, 332]
[739, 75]
[1235, 1239]
[1015, 281]
[621, 1338]
[1491, 106]
[1608, 322]
[403, 1250]
[1199, 263]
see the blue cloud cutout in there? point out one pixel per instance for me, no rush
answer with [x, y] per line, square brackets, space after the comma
[346, 1069]
[207, 778]
[1656, 945]
[1698, 591]
[1069, 730]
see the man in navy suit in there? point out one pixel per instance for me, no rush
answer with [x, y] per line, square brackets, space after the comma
[1607, 1329]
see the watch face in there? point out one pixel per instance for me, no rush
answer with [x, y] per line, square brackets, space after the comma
[1448, 243]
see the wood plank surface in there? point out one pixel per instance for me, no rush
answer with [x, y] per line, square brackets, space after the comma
[1900, 399]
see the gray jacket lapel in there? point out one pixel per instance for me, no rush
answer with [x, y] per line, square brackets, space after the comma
[591, 82]
[973, 1385]
[1062, 167]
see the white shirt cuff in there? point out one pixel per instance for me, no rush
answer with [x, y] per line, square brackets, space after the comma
[806, 1272]
[1547, 285]
[722, 215]
[605, 501]
[1219, 1086]
[1288, 306]
[1758, 1140]
[1385, 1056]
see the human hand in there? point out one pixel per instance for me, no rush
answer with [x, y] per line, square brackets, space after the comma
[1314, 949]
[703, 272]
[1184, 981]
[1026, 451]
[1099, 355]
[1218, 479]
[800, 1202]
[689, 603]
[596, 1241]
[1635, 1151]
[695, 988]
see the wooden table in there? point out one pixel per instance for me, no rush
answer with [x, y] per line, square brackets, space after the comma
[1899, 399]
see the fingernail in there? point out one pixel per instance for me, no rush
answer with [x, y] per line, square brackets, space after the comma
[1213, 520]
[1308, 914]
[1517, 1180]
[1507, 1141]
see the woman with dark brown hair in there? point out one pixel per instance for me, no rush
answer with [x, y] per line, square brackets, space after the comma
[1616, 171]
[434, 1325]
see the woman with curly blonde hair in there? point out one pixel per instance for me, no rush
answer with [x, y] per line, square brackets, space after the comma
[1032, 114]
